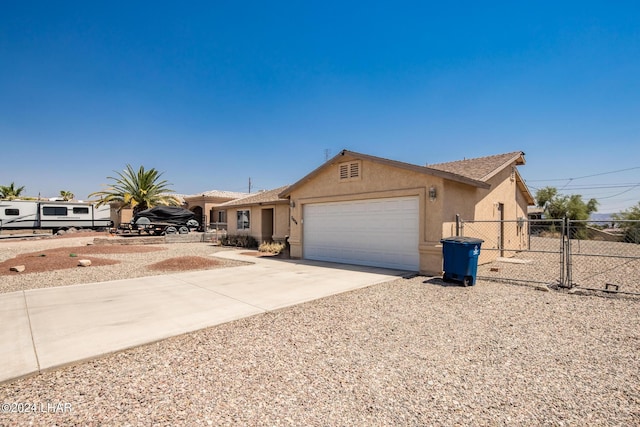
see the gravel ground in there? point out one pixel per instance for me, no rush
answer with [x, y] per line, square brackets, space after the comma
[131, 262]
[406, 352]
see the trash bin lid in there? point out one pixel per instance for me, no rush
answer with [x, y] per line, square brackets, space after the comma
[462, 240]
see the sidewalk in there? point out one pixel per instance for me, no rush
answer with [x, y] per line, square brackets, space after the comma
[52, 327]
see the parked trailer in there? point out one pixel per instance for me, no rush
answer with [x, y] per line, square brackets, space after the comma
[58, 215]
[162, 220]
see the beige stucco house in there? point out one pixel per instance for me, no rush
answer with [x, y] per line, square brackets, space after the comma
[263, 215]
[361, 209]
[206, 206]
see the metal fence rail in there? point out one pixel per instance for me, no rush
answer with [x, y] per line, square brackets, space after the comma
[603, 255]
[519, 251]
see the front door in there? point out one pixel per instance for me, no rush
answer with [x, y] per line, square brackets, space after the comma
[267, 225]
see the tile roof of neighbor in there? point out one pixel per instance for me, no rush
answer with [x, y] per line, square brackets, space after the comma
[220, 194]
[269, 196]
[481, 168]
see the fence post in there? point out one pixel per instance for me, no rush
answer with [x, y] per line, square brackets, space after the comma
[457, 225]
[568, 256]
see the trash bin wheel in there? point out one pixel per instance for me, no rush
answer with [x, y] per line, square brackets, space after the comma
[467, 281]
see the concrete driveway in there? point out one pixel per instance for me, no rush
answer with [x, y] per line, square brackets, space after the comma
[47, 328]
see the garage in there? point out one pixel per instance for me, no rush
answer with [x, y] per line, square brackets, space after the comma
[374, 232]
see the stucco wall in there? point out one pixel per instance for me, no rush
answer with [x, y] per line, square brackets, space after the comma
[280, 221]
[437, 217]
[504, 192]
[377, 181]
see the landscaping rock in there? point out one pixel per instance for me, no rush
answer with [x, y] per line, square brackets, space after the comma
[84, 263]
[17, 268]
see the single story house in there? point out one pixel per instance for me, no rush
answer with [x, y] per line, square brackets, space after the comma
[263, 215]
[206, 206]
[361, 209]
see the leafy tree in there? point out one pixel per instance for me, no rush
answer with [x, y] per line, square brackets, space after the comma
[10, 192]
[631, 229]
[558, 206]
[140, 190]
[66, 195]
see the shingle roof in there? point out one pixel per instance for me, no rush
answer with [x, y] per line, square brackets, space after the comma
[269, 196]
[481, 168]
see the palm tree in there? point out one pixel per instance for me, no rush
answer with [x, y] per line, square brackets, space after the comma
[10, 192]
[66, 195]
[139, 190]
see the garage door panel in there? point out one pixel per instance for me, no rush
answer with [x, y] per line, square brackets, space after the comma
[379, 232]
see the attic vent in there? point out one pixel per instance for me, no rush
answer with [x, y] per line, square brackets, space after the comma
[344, 171]
[349, 171]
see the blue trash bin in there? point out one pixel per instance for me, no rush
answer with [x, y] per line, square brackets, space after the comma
[460, 255]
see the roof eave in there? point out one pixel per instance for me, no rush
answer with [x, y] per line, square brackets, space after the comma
[518, 158]
[531, 201]
[393, 163]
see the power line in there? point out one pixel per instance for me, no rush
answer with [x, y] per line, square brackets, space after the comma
[622, 192]
[597, 186]
[586, 176]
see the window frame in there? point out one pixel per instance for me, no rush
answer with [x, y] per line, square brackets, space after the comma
[55, 211]
[241, 223]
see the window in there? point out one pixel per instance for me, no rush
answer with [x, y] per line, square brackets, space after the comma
[243, 220]
[12, 212]
[80, 210]
[54, 211]
[349, 171]
[222, 216]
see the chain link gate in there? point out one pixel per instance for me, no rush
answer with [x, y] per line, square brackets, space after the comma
[530, 251]
[604, 255]
[596, 255]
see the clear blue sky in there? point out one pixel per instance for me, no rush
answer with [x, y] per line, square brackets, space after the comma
[212, 93]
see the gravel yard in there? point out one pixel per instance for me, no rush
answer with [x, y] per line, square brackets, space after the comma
[406, 352]
[130, 261]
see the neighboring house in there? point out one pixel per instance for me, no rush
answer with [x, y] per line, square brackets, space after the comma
[206, 206]
[263, 215]
[361, 209]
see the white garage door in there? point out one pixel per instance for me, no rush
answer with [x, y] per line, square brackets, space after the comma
[378, 232]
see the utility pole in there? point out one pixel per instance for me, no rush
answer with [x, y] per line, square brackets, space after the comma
[327, 152]
[249, 185]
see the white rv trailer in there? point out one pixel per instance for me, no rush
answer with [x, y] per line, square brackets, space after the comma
[55, 215]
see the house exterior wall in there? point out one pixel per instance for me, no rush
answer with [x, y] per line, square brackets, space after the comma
[437, 217]
[280, 221]
[209, 207]
[504, 192]
[377, 181]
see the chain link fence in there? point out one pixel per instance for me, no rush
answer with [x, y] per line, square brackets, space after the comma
[599, 255]
[519, 251]
[604, 255]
